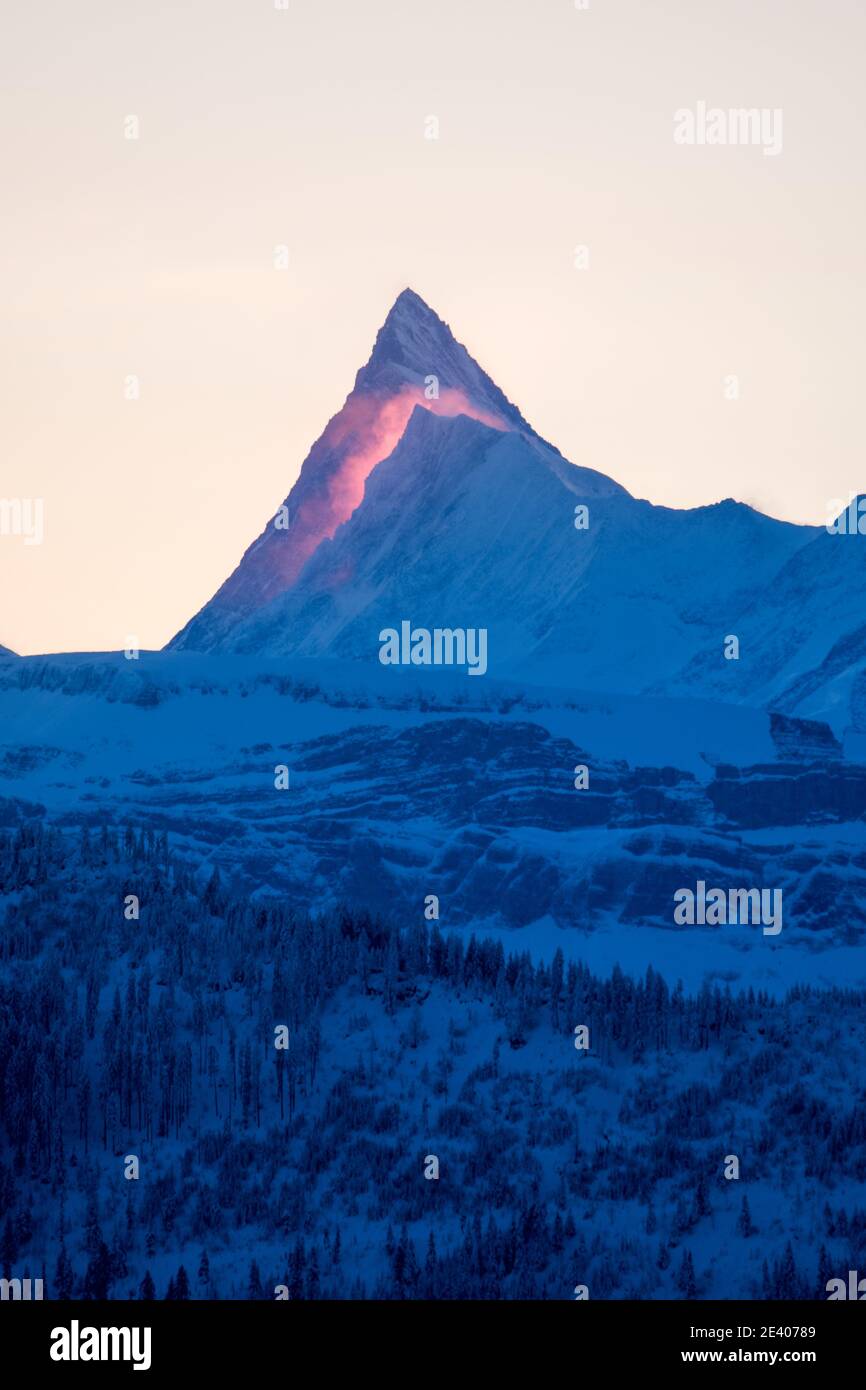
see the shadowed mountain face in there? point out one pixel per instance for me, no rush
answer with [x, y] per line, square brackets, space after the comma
[429, 499]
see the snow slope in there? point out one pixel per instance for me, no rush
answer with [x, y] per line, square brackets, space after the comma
[408, 783]
[466, 527]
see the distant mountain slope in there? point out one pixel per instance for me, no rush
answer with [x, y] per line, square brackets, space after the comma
[802, 637]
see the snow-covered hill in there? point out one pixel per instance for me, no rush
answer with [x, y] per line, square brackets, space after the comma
[406, 783]
[307, 1172]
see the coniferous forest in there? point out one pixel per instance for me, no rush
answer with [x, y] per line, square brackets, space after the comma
[212, 1095]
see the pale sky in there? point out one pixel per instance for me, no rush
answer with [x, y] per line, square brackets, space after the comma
[306, 127]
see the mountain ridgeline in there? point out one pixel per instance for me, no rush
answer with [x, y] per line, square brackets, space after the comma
[430, 498]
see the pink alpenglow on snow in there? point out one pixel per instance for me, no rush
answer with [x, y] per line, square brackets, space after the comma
[379, 426]
[416, 361]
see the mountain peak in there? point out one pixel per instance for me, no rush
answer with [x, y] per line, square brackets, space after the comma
[416, 361]
[408, 301]
[413, 339]
[415, 348]
[409, 308]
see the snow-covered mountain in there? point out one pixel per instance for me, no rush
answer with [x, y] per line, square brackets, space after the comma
[452, 512]
[429, 498]
[415, 361]
[467, 526]
[403, 864]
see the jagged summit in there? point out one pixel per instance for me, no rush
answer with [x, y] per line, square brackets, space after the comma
[413, 336]
[411, 333]
[416, 361]
[414, 345]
